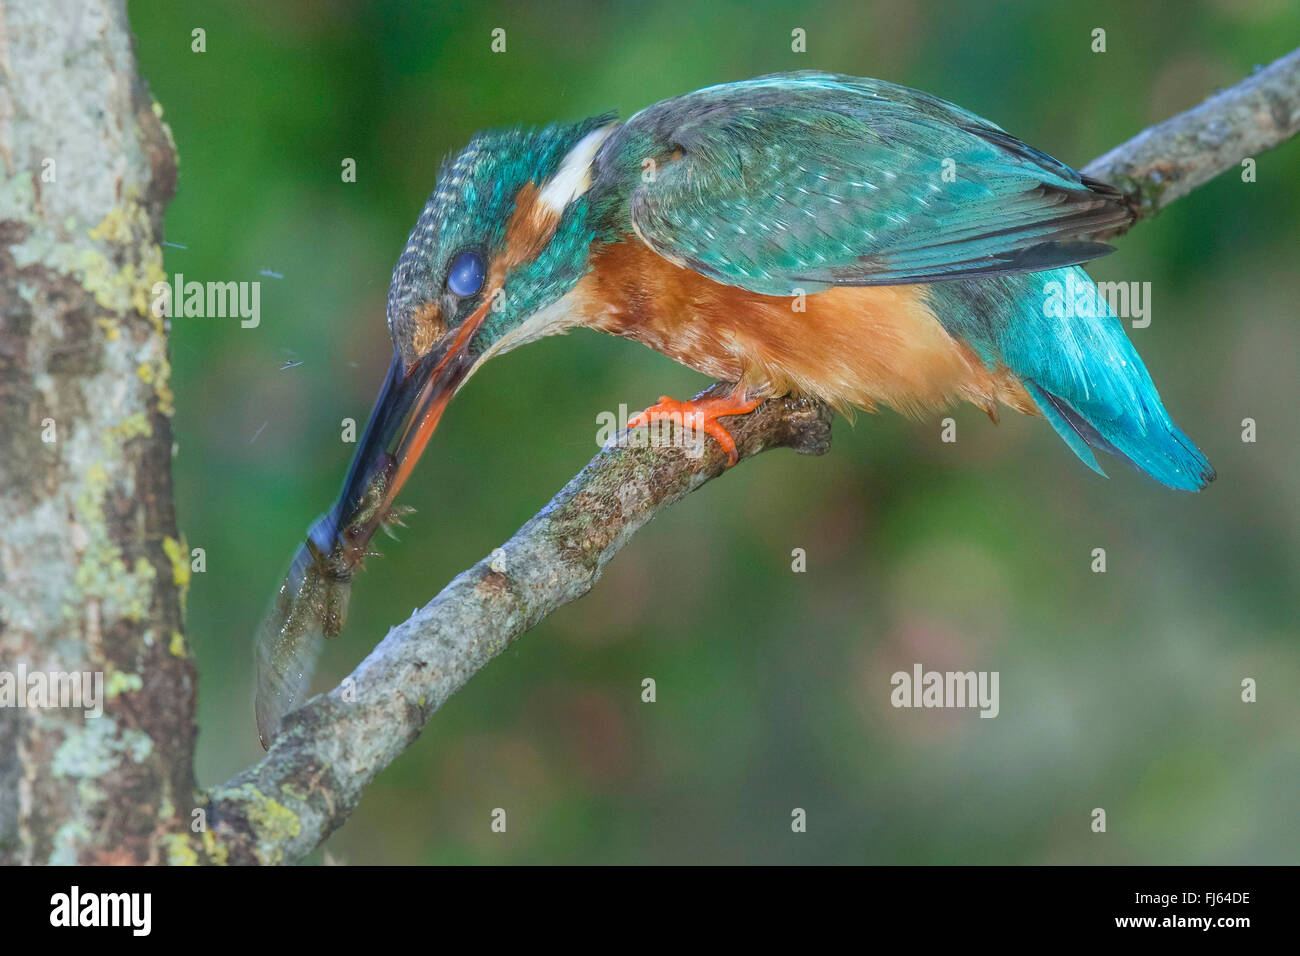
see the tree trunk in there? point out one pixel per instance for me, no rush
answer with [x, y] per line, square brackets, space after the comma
[92, 573]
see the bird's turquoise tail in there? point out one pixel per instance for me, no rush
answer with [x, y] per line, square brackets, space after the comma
[1061, 338]
[1161, 449]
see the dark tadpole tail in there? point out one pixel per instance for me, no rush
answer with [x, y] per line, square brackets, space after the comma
[312, 604]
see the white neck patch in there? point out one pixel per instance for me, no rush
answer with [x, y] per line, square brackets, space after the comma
[573, 178]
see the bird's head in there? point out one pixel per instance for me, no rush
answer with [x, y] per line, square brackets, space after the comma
[504, 237]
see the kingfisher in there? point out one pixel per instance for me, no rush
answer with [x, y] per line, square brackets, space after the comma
[804, 233]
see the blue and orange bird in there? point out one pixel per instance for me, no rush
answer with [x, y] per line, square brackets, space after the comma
[921, 239]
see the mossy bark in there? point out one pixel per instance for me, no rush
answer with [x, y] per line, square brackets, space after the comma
[91, 567]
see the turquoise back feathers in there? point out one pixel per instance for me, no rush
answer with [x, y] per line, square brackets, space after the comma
[802, 181]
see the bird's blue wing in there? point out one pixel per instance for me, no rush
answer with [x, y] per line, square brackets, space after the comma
[804, 181]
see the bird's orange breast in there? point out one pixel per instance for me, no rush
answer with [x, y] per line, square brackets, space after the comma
[850, 346]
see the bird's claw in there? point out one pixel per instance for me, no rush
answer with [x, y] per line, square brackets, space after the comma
[702, 415]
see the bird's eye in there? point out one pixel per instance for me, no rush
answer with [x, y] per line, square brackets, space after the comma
[465, 277]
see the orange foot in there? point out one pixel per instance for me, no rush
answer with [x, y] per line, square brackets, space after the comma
[701, 415]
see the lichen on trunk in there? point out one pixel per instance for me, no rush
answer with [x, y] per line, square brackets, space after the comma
[90, 561]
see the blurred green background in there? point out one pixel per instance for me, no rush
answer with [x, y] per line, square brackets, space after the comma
[1118, 690]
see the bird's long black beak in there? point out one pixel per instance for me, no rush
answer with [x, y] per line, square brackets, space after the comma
[410, 403]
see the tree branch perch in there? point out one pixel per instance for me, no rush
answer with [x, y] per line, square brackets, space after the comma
[1169, 160]
[330, 749]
